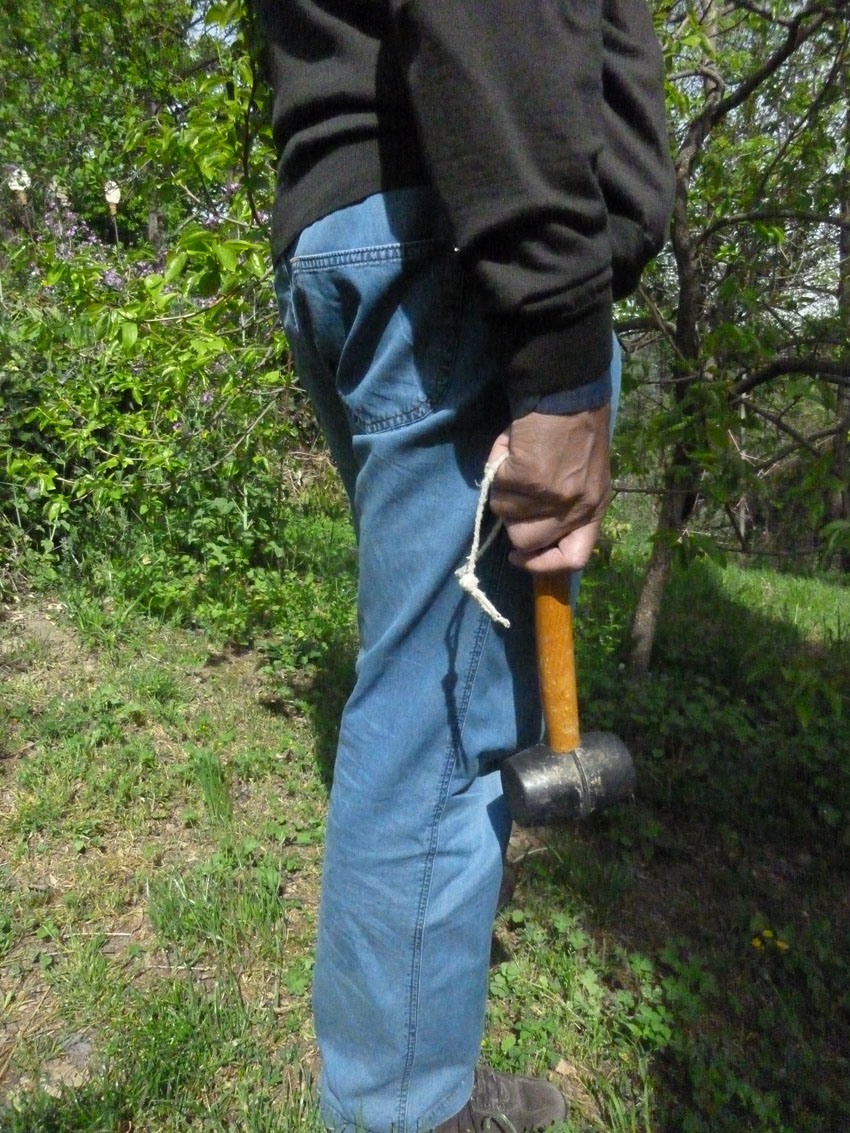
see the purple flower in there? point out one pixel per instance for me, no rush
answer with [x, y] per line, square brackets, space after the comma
[206, 397]
[111, 278]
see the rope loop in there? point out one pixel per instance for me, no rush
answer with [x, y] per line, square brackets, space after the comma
[466, 575]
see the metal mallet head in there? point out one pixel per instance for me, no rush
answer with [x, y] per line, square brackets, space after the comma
[544, 786]
[566, 777]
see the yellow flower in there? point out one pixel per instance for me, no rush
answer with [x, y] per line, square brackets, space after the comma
[782, 945]
[767, 933]
[757, 942]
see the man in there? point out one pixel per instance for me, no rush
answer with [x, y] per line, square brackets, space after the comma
[463, 188]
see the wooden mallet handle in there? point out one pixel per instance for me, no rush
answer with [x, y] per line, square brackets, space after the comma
[553, 624]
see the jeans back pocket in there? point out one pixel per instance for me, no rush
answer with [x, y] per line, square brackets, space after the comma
[384, 320]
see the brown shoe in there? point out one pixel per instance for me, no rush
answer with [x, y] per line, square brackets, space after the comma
[507, 1103]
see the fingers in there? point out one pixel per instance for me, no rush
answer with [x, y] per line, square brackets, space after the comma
[553, 489]
[501, 445]
[571, 553]
[530, 535]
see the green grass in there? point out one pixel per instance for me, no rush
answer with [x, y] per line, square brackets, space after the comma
[678, 966]
[183, 1057]
[731, 869]
[161, 830]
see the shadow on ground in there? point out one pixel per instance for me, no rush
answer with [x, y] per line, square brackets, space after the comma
[730, 868]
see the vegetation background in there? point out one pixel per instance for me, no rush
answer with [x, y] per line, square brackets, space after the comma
[177, 576]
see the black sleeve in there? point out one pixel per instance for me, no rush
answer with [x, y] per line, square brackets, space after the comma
[508, 100]
[636, 170]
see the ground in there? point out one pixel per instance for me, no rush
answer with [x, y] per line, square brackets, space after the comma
[161, 817]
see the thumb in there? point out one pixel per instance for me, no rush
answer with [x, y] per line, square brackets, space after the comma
[501, 445]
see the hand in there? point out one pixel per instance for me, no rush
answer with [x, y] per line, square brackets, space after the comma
[554, 488]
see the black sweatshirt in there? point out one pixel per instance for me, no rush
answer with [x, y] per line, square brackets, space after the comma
[539, 123]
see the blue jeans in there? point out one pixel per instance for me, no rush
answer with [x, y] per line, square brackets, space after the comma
[390, 344]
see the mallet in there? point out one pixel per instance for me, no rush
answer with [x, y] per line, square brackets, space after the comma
[566, 777]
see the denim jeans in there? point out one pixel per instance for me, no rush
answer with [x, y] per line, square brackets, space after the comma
[391, 346]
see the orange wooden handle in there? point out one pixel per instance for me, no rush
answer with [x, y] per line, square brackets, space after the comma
[553, 623]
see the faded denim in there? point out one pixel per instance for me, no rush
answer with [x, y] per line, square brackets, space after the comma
[390, 345]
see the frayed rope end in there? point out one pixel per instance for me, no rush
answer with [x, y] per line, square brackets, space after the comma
[468, 582]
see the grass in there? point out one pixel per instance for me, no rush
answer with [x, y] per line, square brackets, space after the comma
[677, 966]
[161, 834]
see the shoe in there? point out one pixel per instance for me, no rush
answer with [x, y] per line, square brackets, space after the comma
[507, 1103]
[506, 889]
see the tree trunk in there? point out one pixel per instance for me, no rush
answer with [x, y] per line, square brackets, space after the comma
[840, 498]
[648, 610]
[680, 480]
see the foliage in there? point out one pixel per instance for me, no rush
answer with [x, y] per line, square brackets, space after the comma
[77, 78]
[160, 412]
[744, 328]
[157, 459]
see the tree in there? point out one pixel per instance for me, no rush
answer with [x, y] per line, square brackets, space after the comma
[143, 381]
[746, 314]
[77, 77]
[840, 503]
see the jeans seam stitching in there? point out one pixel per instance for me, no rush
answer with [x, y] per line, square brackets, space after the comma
[365, 257]
[416, 959]
[395, 421]
[337, 1112]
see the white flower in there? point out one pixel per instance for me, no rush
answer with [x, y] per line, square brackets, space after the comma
[19, 180]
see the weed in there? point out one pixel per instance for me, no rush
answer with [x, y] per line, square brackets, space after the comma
[207, 770]
[158, 1067]
[224, 907]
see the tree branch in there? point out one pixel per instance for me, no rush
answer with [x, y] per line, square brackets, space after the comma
[270, 404]
[717, 108]
[667, 328]
[704, 71]
[771, 17]
[822, 435]
[246, 148]
[759, 215]
[836, 70]
[797, 35]
[624, 326]
[825, 369]
[775, 419]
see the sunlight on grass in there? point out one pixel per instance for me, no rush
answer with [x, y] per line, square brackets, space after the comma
[673, 964]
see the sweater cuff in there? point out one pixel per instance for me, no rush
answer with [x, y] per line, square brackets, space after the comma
[541, 362]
